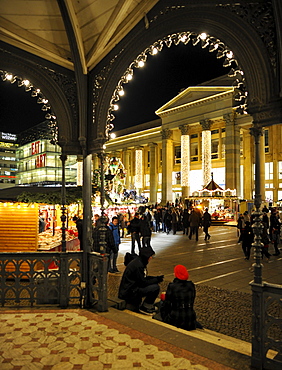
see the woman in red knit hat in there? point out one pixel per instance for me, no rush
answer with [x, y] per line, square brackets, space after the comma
[177, 307]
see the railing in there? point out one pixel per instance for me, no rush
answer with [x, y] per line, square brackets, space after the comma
[52, 278]
[267, 326]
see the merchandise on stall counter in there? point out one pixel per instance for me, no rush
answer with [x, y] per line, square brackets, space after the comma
[47, 241]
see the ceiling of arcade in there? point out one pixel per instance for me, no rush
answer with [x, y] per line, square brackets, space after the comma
[37, 26]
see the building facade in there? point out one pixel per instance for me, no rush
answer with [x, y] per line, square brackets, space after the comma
[38, 160]
[8, 165]
[199, 134]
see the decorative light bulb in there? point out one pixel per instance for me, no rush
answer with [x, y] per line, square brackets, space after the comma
[203, 36]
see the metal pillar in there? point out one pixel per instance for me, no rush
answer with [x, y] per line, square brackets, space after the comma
[103, 219]
[86, 230]
[63, 158]
[256, 284]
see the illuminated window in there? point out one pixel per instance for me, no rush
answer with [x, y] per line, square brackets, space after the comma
[279, 170]
[214, 148]
[194, 152]
[177, 154]
[266, 141]
[269, 171]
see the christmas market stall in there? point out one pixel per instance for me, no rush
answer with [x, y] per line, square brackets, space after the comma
[222, 204]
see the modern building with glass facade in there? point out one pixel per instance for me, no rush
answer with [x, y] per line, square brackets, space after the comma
[8, 165]
[39, 162]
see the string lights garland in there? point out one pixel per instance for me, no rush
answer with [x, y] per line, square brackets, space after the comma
[41, 99]
[206, 41]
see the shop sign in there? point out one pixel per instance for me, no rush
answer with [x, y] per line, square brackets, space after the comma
[40, 161]
[35, 147]
[8, 136]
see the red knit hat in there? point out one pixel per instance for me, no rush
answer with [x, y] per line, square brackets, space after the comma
[180, 272]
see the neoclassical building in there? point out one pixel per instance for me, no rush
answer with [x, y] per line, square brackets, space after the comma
[198, 134]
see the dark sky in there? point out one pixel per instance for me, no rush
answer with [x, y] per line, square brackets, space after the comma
[162, 78]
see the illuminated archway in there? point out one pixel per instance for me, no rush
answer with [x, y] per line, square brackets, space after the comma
[206, 41]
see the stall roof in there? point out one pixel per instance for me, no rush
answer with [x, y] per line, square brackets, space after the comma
[11, 194]
[212, 185]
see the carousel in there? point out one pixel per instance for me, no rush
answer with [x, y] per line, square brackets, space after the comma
[222, 204]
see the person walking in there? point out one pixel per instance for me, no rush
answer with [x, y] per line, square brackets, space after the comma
[206, 223]
[167, 221]
[114, 226]
[174, 221]
[195, 220]
[134, 229]
[145, 231]
[247, 238]
[185, 221]
[274, 231]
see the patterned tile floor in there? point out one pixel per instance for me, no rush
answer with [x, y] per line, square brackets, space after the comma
[79, 339]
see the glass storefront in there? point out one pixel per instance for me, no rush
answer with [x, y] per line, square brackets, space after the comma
[39, 164]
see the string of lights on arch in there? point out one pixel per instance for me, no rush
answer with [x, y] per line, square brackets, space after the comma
[206, 41]
[41, 99]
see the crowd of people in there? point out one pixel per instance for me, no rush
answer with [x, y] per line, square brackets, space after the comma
[137, 287]
[270, 233]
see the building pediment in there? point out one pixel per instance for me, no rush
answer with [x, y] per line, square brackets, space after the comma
[194, 95]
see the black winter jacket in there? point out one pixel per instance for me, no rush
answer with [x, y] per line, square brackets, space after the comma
[135, 277]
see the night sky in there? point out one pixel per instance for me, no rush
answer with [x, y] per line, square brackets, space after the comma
[162, 78]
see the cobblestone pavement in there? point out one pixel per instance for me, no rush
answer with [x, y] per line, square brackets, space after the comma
[79, 339]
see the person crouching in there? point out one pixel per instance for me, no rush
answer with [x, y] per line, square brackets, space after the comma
[136, 285]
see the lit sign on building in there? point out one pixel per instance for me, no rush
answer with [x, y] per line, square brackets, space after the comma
[40, 161]
[35, 147]
[8, 136]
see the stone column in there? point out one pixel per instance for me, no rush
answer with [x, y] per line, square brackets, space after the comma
[206, 150]
[167, 165]
[248, 168]
[126, 159]
[185, 160]
[232, 153]
[153, 172]
[139, 172]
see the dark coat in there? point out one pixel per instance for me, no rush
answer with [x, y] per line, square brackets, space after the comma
[134, 277]
[177, 309]
[96, 235]
[186, 219]
[206, 220]
[145, 229]
[134, 225]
